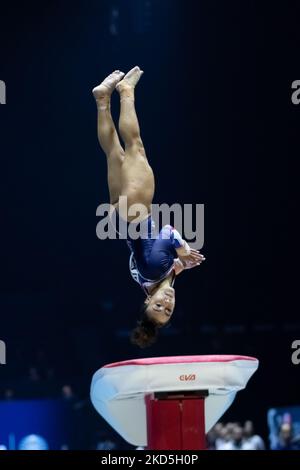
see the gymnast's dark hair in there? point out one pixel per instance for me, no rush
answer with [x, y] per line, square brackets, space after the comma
[146, 332]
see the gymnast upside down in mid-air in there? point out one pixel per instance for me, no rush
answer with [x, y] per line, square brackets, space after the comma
[155, 261]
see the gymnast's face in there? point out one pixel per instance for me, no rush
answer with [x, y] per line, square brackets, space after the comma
[160, 305]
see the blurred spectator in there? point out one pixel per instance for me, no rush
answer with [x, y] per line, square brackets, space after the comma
[223, 435]
[275, 421]
[51, 384]
[252, 441]
[33, 375]
[235, 441]
[33, 386]
[106, 444]
[9, 394]
[211, 438]
[67, 393]
[286, 439]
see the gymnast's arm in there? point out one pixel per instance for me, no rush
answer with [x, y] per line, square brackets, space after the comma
[189, 257]
[178, 266]
[182, 263]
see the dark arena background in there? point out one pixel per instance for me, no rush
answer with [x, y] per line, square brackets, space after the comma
[220, 128]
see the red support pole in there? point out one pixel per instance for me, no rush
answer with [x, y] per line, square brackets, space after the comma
[175, 422]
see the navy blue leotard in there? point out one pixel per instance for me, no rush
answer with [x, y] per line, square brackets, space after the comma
[152, 254]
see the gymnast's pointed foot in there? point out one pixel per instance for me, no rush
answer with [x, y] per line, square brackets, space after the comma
[130, 80]
[108, 85]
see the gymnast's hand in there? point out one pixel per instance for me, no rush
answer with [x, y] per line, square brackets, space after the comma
[192, 260]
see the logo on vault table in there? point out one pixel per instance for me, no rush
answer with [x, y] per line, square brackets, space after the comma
[187, 377]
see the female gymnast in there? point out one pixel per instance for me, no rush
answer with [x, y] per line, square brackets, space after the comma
[155, 260]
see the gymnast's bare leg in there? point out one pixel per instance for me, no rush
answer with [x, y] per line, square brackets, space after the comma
[129, 173]
[108, 136]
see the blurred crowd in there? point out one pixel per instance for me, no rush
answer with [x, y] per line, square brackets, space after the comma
[237, 436]
[234, 436]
